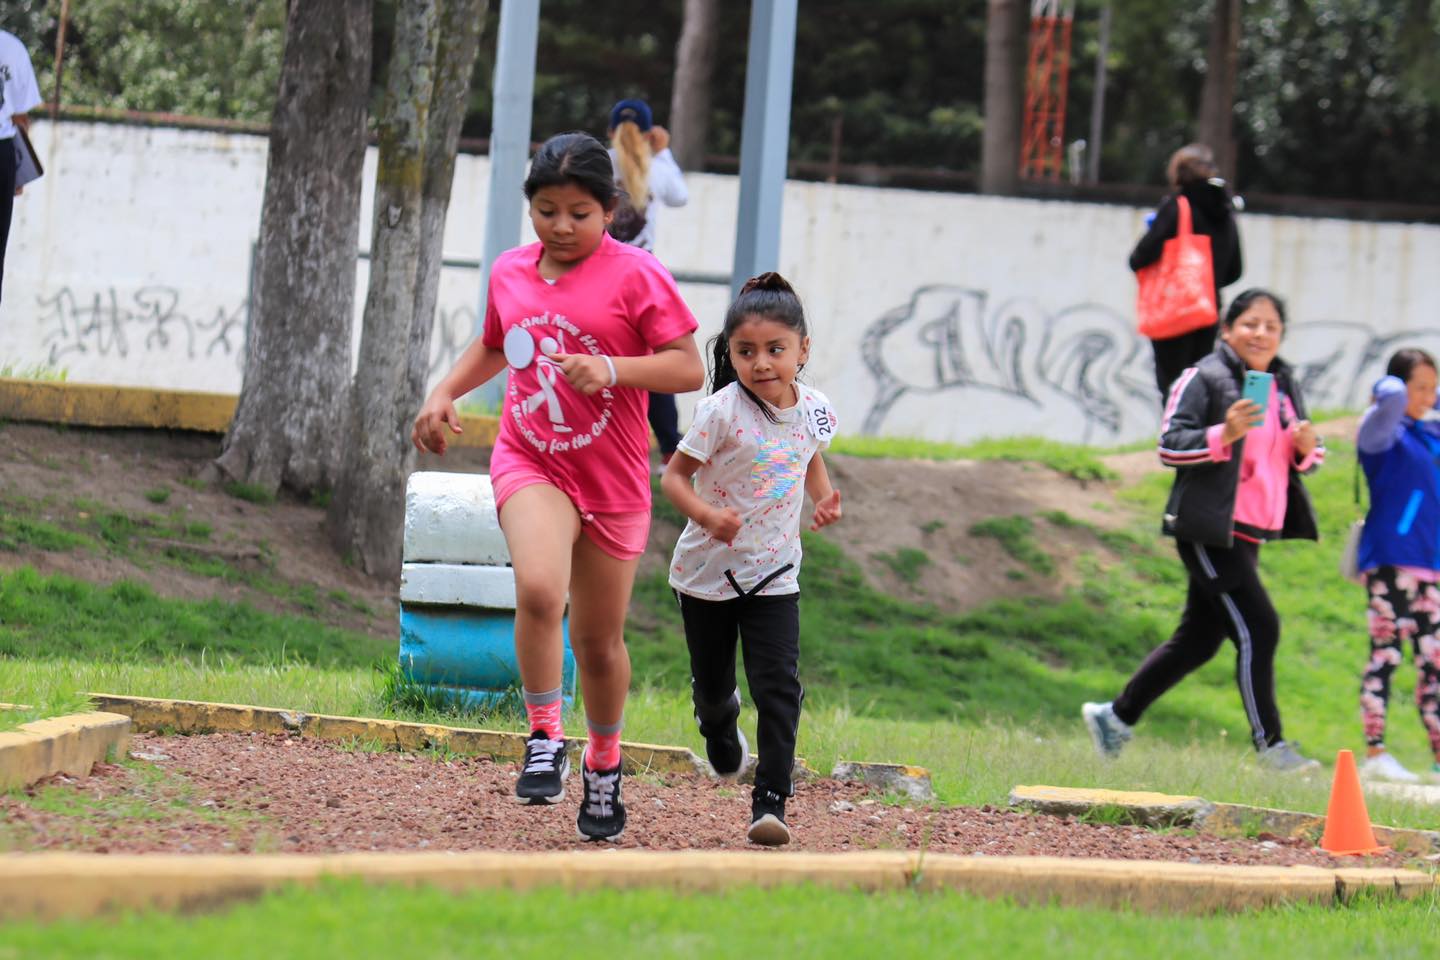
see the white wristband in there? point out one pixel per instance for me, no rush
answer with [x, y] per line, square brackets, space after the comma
[611, 365]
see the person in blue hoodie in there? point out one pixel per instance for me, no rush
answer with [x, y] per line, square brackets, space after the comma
[1399, 553]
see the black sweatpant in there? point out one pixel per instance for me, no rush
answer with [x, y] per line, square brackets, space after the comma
[665, 421]
[769, 631]
[1226, 598]
[1174, 355]
[7, 200]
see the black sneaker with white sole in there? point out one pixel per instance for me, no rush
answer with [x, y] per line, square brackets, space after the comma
[767, 819]
[542, 776]
[602, 814]
[729, 753]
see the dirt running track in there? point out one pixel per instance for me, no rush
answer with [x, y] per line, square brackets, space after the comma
[246, 793]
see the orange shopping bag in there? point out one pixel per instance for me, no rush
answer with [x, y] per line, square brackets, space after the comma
[1177, 292]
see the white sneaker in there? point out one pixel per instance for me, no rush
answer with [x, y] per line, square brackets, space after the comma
[1384, 766]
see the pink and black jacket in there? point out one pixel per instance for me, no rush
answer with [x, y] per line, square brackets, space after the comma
[1220, 493]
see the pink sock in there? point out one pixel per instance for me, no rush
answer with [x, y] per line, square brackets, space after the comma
[603, 750]
[546, 716]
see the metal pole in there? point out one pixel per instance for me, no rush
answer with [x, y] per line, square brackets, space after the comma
[509, 133]
[764, 138]
[1097, 102]
[59, 58]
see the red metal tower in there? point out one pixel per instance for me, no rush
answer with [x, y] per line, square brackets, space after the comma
[1047, 81]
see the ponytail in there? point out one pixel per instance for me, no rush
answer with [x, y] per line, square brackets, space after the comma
[632, 152]
[769, 296]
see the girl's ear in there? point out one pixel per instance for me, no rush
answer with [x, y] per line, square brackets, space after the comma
[804, 350]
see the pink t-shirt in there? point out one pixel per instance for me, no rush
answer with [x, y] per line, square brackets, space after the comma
[618, 301]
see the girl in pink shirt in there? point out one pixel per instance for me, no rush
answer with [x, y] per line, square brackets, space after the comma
[586, 326]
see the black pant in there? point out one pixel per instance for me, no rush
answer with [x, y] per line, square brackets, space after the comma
[665, 421]
[1174, 355]
[1226, 598]
[7, 198]
[769, 629]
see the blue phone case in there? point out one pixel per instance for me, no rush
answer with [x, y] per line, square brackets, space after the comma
[1257, 388]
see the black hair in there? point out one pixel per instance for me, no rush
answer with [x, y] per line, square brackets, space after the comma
[769, 296]
[1404, 361]
[576, 158]
[1244, 301]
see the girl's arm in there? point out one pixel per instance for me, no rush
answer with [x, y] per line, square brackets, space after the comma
[679, 489]
[1377, 426]
[674, 367]
[477, 365]
[825, 497]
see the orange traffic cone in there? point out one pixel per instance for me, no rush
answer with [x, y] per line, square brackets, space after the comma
[1347, 822]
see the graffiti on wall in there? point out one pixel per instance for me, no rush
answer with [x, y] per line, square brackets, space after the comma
[107, 323]
[949, 365]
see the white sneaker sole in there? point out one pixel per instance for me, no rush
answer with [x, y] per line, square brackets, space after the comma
[555, 798]
[768, 831]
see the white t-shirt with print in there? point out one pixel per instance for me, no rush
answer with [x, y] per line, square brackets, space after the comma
[758, 468]
[19, 93]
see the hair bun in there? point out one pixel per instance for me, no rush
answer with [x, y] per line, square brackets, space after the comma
[767, 281]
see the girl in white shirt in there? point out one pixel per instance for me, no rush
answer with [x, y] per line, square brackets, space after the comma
[740, 474]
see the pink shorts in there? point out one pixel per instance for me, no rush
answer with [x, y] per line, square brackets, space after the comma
[621, 535]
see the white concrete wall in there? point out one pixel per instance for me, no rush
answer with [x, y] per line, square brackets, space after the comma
[946, 316]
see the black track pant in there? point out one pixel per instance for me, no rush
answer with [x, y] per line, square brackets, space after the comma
[769, 632]
[7, 199]
[1174, 355]
[665, 421]
[1226, 598]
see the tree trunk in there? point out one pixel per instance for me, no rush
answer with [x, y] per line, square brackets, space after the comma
[1217, 98]
[1005, 40]
[436, 43]
[694, 68]
[297, 348]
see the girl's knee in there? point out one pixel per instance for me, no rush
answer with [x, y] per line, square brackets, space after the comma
[539, 600]
[598, 653]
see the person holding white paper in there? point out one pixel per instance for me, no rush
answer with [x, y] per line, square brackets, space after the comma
[19, 94]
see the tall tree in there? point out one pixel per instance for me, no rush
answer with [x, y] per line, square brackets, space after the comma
[431, 63]
[694, 70]
[1005, 37]
[1217, 97]
[297, 352]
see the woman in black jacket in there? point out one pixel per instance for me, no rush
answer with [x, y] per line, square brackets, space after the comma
[1237, 486]
[1193, 174]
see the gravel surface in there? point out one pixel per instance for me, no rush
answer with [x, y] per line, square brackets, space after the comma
[255, 793]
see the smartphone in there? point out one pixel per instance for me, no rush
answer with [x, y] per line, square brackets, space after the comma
[1257, 388]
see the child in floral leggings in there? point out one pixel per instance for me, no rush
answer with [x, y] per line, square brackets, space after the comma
[1402, 606]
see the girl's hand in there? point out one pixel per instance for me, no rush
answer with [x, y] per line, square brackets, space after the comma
[428, 434]
[722, 524]
[1239, 419]
[1305, 438]
[585, 373]
[827, 511]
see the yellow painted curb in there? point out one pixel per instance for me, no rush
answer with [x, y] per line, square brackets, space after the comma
[50, 886]
[71, 744]
[193, 716]
[99, 405]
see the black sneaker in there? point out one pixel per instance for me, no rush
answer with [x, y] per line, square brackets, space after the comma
[767, 819]
[729, 753]
[542, 776]
[725, 745]
[602, 815]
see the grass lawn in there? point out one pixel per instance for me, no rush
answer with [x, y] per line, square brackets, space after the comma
[351, 920]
